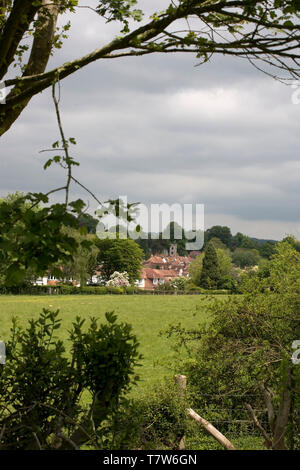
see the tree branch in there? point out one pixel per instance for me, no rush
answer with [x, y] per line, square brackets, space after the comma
[269, 405]
[40, 53]
[268, 441]
[21, 16]
[259, 44]
[211, 430]
[67, 158]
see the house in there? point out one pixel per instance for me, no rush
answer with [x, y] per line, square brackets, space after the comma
[49, 280]
[96, 278]
[161, 268]
[157, 270]
[151, 278]
[177, 263]
[156, 262]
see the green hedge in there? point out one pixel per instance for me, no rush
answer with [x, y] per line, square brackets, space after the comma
[100, 290]
[195, 289]
[217, 291]
[24, 290]
[67, 290]
[87, 290]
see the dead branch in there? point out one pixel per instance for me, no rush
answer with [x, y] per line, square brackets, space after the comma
[180, 380]
[269, 405]
[268, 441]
[211, 430]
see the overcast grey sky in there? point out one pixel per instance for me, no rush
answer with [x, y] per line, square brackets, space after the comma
[158, 129]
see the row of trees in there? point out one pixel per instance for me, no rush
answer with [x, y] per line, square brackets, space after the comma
[109, 255]
[83, 250]
[218, 267]
[225, 257]
[81, 254]
[218, 233]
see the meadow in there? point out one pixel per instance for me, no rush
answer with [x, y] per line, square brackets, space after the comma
[148, 315]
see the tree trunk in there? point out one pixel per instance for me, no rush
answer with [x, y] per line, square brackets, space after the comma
[283, 415]
[40, 53]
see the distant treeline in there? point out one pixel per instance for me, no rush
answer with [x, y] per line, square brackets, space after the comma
[149, 245]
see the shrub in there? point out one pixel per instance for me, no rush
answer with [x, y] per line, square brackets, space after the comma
[41, 387]
[114, 290]
[216, 291]
[66, 290]
[131, 290]
[101, 290]
[195, 289]
[118, 280]
[156, 421]
[244, 354]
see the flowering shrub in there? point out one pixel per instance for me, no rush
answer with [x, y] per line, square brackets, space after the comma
[175, 284]
[178, 283]
[118, 280]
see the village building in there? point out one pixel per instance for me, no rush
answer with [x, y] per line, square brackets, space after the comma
[50, 280]
[157, 270]
[162, 268]
[151, 278]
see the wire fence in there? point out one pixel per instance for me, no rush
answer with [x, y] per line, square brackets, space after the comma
[230, 415]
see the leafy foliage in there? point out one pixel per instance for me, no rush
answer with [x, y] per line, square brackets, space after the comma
[120, 10]
[32, 239]
[119, 255]
[264, 32]
[155, 421]
[84, 258]
[249, 345]
[88, 221]
[41, 387]
[195, 269]
[210, 274]
[243, 257]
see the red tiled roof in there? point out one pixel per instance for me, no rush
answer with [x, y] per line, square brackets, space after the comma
[157, 259]
[149, 273]
[169, 260]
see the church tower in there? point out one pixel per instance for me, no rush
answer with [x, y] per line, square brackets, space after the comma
[173, 250]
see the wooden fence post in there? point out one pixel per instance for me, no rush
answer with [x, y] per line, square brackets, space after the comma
[180, 380]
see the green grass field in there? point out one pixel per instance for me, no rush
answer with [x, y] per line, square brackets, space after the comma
[147, 314]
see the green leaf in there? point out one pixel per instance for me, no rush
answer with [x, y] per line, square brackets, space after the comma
[48, 163]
